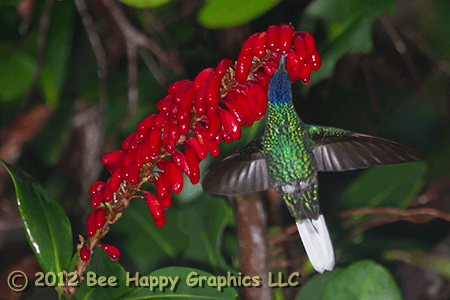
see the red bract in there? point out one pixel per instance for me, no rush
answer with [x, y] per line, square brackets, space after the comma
[84, 253]
[213, 107]
[113, 252]
[90, 224]
[155, 210]
[111, 157]
[100, 217]
[97, 199]
[96, 187]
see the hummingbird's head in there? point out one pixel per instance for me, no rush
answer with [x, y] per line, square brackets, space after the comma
[280, 84]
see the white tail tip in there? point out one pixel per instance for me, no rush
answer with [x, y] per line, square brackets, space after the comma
[317, 243]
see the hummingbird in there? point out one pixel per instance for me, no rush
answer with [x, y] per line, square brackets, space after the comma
[287, 158]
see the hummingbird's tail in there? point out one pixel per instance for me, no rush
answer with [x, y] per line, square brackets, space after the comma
[317, 243]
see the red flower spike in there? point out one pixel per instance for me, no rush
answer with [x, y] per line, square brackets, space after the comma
[184, 127]
[90, 224]
[305, 70]
[174, 87]
[164, 103]
[214, 127]
[213, 90]
[200, 108]
[222, 67]
[263, 79]
[285, 38]
[127, 140]
[226, 136]
[174, 134]
[310, 43]
[305, 81]
[290, 71]
[294, 64]
[113, 252]
[108, 193]
[133, 176]
[111, 157]
[138, 160]
[165, 135]
[156, 210]
[201, 78]
[259, 48]
[96, 187]
[141, 135]
[188, 100]
[162, 164]
[145, 152]
[116, 178]
[160, 119]
[212, 110]
[181, 91]
[201, 96]
[300, 48]
[247, 47]
[315, 60]
[250, 99]
[161, 188]
[272, 37]
[165, 203]
[270, 67]
[260, 95]
[134, 144]
[243, 103]
[195, 145]
[243, 64]
[176, 178]
[180, 159]
[182, 117]
[237, 114]
[154, 141]
[210, 145]
[100, 217]
[230, 124]
[218, 139]
[84, 253]
[192, 162]
[167, 178]
[125, 172]
[97, 199]
[128, 157]
[147, 123]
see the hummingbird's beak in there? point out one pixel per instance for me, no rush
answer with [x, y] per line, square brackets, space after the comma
[282, 64]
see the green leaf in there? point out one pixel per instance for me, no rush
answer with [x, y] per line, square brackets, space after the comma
[46, 225]
[393, 186]
[348, 24]
[145, 244]
[101, 265]
[16, 74]
[9, 2]
[315, 287]
[187, 285]
[51, 140]
[363, 280]
[229, 13]
[145, 3]
[59, 43]
[205, 221]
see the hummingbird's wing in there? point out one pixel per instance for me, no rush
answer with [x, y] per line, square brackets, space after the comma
[341, 150]
[243, 172]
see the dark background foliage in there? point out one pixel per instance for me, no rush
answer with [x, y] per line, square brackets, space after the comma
[385, 72]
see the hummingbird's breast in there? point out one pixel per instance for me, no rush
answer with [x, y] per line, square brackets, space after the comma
[289, 158]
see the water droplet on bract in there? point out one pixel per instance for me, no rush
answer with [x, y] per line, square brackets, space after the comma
[114, 258]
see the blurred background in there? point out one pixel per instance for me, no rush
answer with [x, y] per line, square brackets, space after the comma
[76, 77]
